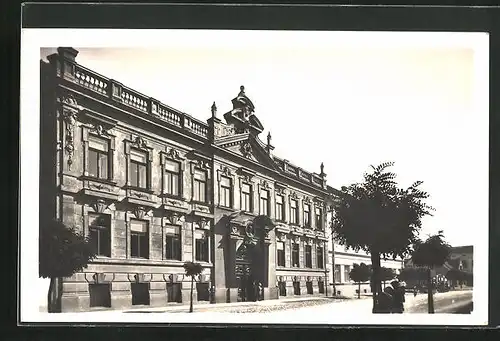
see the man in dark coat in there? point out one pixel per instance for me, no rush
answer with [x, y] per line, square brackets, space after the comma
[385, 300]
[399, 297]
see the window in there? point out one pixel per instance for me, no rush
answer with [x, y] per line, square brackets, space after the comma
[308, 250]
[295, 254]
[293, 211]
[309, 287]
[173, 243]
[280, 209]
[225, 192]
[172, 177]
[139, 239]
[200, 186]
[282, 288]
[319, 257]
[321, 287]
[100, 233]
[337, 274]
[347, 270]
[296, 288]
[203, 291]
[280, 246]
[138, 169]
[307, 215]
[201, 252]
[174, 293]
[246, 195]
[100, 295]
[140, 293]
[98, 157]
[264, 202]
[319, 219]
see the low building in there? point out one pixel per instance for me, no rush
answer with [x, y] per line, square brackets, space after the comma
[154, 187]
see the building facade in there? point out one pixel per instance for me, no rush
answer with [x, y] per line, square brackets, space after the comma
[154, 187]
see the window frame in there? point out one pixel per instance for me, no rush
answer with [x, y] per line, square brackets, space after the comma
[282, 210]
[293, 253]
[135, 146]
[197, 197]
[176, 235]
[222, 190]
[250, 196]
[146, 234]
[204, 248]
[87, 133]
[318, 222]
[308, 262]
[99, 229]
[294, 212]
[282, 252]
[264, 201]
[320, 252]
[307, 215]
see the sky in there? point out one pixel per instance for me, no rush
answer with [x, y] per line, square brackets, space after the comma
[346, 104]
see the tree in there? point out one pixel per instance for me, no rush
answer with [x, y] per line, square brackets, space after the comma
[63, 251]
[192, 269]
[379, 218]
[360, 273]
[429, 254]
[412, 275]
[386, 274]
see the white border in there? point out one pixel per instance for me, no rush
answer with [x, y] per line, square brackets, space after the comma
[33, 39]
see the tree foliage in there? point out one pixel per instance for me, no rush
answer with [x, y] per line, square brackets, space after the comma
[63, 251]
[432, 252]
[377, 216]
[192, 269]
[387, 274]
[412, 274]
[360, 273]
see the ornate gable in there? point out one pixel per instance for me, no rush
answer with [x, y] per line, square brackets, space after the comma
[247, 147]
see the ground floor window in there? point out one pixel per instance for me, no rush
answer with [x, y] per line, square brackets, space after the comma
[174, 292]
[100, 295]
[296, 288]
[203, 291]
[282, 288]
[309, 287]
[140, 293]
[321, 287]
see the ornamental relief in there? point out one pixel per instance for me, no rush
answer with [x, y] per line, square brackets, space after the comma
[202, 164]
[99, 130]
[140, 212]
[225, 170]
[203, 224]
[174, 218]
[140, 143]
[173, 154]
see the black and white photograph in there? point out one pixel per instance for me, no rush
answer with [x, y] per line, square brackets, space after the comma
[233, 176]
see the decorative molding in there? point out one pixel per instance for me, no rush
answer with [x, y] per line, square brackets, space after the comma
[246, 149]
[70, 119]
[265, 184]
[307, 200]
[201, 164]
[174, 218]
[235, 230]
[99, 130]
[139, 212]
[293, 195]
[225, 170]
[138, 194]
[140, 142]
[173, 154]
[99, 206]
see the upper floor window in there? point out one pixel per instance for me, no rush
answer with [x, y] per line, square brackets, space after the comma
[319, 218]
[280, 208]
[347, 271]
[100, 233]
[139, 239]
[98, 160]
[336, 274]
[307, 215]
[295, 254]
[201, 249]
[173, 244]
[225, 191]
[264, 202]
[246, 197]
[138, 168]
[200, 186]
[293, 212]
[308, 254]
[280, 246]
[172, 177]
[319, 257]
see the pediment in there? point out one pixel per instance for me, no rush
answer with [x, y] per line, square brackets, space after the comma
[248, 147]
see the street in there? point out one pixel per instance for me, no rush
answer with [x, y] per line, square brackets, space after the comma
[449, 302]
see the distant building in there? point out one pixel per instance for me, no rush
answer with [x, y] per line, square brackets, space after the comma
[154, 187]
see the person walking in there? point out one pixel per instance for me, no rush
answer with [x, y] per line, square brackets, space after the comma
[399, 297]
[385, 300]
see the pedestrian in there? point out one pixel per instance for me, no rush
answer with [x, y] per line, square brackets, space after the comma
[385, 300]
[415, 291]
[398, 297]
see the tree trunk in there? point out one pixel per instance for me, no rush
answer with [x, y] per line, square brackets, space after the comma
[359, 290]
[430, 299]
[54, 295]
[375, 258]
[191, 296]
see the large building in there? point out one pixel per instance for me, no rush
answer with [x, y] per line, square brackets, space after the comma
[154, 187]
